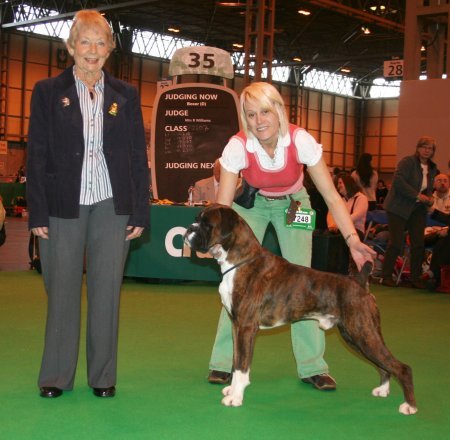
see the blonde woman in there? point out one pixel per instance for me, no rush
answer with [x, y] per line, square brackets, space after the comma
[270, 154]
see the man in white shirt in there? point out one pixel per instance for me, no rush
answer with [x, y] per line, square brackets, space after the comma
[441, 193]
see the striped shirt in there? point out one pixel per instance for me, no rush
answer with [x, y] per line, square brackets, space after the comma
[95, 182]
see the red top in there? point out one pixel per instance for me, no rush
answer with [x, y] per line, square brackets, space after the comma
[286, 180]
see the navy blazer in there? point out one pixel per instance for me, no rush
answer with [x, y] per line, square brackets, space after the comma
[56, 150]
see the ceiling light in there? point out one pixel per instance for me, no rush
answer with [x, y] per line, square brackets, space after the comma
[231, 4]
[345, 70]
[304, 12]
[365, 30]
[172, 29]
[238, 45]
[423, 49]
[298, 59]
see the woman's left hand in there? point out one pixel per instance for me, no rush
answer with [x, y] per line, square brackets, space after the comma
[134, 232]
[361, 253]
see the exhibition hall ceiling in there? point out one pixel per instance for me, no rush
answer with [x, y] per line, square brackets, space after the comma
[353, 34]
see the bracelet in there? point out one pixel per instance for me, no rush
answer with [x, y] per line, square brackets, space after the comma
[349, 236]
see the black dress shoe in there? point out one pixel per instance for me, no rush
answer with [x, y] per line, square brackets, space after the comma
[105, 392]
[418, 284]
[219, 377]
[389, 282]
[322, 382]
[432, 284]
[50, 392]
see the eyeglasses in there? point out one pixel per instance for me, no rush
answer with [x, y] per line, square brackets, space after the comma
[427, 147]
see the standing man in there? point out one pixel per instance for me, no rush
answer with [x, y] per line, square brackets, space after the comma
[87, 193]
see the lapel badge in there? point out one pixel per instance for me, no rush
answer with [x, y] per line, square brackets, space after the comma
[65, 101]
[113, 109]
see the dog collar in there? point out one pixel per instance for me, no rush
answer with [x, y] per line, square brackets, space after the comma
[240, 264]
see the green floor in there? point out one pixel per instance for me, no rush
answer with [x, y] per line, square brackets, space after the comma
[165, 340]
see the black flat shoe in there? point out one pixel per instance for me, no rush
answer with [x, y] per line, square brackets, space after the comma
[50, 392]
[105, 392]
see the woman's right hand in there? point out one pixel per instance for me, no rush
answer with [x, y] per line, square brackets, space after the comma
[425, 199]
[41, 231]
[361, 252]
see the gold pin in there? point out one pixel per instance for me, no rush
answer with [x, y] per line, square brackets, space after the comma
[113, 109]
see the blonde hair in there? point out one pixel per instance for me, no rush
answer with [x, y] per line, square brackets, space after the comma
[90, 18]
[269, 98]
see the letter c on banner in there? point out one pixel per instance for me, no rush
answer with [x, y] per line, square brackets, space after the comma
[170, 248]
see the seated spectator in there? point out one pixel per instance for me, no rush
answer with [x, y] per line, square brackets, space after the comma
[20, 175]
[441, 194]
[381, 192]
[2, 213]
[441, 252]
[205, 190]
[357, 203]
[2, 222]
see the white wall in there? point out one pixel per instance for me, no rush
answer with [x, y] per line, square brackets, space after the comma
[424, 110]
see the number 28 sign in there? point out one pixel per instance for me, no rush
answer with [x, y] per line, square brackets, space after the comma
[201, 60]
[393, 69]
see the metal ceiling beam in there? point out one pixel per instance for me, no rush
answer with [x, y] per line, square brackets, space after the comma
[67, 15]
[336, 60]
[364, 16]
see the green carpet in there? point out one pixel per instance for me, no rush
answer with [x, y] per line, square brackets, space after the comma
[166, 336]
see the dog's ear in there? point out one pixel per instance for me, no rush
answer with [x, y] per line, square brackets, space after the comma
[363, 276]
[229, 218]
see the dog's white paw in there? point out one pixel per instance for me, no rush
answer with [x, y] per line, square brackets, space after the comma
[407, 409]
[227, 390]
[381, 391]
[234, 393]
[231, 399]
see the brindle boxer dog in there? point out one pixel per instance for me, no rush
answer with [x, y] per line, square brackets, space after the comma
[262, 290]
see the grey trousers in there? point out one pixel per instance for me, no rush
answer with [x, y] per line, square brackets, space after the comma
[99, 233]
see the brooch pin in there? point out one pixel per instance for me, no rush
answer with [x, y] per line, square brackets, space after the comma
[65, 102]
[113, 109]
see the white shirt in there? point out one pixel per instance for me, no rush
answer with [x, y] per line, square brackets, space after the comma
[234, 156]
[95, 182]
[424, 177]
[442, 203]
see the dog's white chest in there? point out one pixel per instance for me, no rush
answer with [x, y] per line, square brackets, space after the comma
[226, 290]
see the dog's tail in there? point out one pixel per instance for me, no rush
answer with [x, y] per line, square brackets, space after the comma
[362, 277]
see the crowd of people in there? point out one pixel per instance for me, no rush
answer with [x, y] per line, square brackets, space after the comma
[417, 190]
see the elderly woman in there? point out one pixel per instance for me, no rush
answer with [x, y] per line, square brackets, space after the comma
[406, 205]
[87, 194]
[271, 154]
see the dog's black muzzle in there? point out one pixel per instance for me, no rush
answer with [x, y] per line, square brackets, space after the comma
[196, 238]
